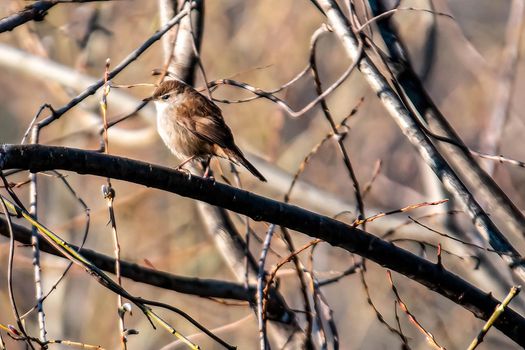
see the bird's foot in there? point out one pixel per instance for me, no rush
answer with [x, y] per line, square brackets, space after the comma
[184, 170]
[208, 175]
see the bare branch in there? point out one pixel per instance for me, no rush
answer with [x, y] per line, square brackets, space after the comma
[410, 126]
[34, 12]
[41, 158]
[470, 169]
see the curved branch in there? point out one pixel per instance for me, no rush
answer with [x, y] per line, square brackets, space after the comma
[41, 158]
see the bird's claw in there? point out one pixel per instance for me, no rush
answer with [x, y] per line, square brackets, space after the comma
[184, 170]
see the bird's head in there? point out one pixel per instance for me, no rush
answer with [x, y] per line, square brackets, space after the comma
[168, 92]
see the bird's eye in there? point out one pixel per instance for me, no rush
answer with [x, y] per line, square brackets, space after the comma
[165, 97]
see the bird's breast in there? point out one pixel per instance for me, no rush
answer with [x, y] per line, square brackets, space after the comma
[181, 141]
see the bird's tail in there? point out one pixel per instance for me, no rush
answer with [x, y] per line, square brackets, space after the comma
[236, 156]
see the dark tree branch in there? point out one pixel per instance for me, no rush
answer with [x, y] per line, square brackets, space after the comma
[41, 158]
[34, 12]
[206, 288]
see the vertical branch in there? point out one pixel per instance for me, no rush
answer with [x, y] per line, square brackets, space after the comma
[178, 45]
[491, 136]
[328, 116]
[10, 269]
[339, 138]
[181, 51]
[261, 282]
[35, 246]
[109, 194]
[247, 232]
[308, 344]
[316, 299]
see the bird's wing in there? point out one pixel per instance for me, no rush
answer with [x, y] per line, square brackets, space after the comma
[207, 123]
[213, 130]
[210, 108]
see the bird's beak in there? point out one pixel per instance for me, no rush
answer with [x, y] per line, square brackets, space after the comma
[147, 99]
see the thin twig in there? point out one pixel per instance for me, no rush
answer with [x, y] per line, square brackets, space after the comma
[396, 211]
[84, 238]
[119, 68]
[302, 280]
[109, 194]
[375, 173]
[316, 301]
[247, 233]
[423, 244]
[286, 260]
[213, 87]
[376, 311]
[514, 291]
[391, 12]
[280, 102]
[315, 149]
[33, 121]
[430, 338]
[456, 239]
[394, 230]
[196, 56]
[75, 344]
[10, 273]
[499, 159]
[405, 339]
[337, 136]
[304, 163]
[349, 271]
[66, 249]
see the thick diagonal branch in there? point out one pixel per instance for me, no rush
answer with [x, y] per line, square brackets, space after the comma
[41, 158]
[410, 126]
[471, 171]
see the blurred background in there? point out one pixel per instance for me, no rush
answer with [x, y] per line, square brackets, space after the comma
[264, 43]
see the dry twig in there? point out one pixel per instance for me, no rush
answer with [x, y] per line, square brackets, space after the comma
[430, 338]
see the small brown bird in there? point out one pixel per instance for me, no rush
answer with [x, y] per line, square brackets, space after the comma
[192, 126]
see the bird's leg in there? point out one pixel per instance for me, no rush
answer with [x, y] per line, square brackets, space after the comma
[180, 167]
[207, 168]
